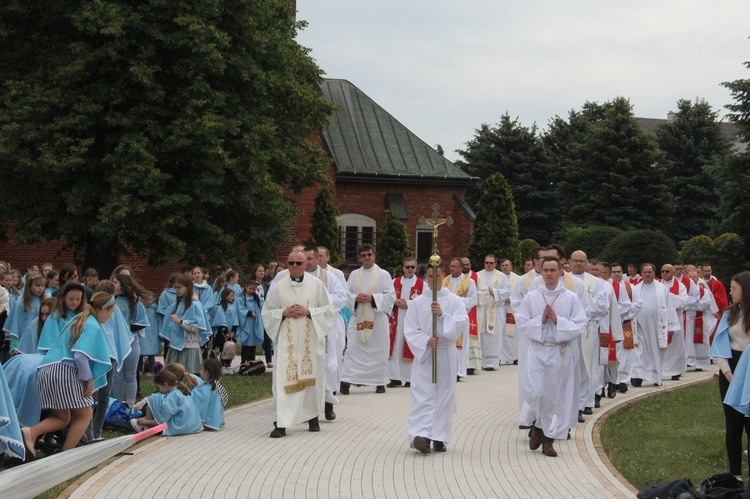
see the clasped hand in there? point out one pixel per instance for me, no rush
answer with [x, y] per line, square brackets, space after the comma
[364, 298]
[296, 311]
[549, 313]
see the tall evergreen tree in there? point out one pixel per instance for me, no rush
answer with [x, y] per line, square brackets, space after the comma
[496, 227]
[692, 141]
[393, 244]
[616, 175]
[178, 129]
[324, 230]
[518, 154]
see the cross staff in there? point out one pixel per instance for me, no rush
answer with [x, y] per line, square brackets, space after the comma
[435, 222]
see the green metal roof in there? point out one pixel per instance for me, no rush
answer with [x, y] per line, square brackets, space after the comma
[368, 143]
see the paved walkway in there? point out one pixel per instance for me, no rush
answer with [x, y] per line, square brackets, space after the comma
[364, 454]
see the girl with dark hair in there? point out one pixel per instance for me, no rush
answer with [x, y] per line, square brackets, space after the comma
[29, 340]
[210, 397]
[731, 340]
[53, 282]
[187, 328]
[26, 309]
[70, 301]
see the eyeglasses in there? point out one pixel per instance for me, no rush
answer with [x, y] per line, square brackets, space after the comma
[410, 266]
[666, 271]
[365, 255]
[291, 264]
[489, 263]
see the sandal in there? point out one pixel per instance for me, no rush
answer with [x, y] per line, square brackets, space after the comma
[28, 442]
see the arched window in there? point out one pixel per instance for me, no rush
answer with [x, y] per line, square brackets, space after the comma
[354, 229]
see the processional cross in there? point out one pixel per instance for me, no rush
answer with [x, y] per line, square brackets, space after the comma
[435, 222]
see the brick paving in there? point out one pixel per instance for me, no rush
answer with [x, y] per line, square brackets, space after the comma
[364, 453]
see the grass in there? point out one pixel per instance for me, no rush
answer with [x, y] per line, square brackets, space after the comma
[667, 436]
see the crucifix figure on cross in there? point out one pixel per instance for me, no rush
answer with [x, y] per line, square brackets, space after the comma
[436, 222]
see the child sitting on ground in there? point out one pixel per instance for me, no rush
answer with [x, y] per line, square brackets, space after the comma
[170, 405]
[228, 353]
[211, 397]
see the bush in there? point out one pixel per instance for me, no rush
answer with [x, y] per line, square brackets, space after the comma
[698, 250]
[590, 240]
[393, 244]
[640, 246]
[496, 225]
[729, 249]
[527, 247]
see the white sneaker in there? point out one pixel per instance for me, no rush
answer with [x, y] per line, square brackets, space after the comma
[136, 426]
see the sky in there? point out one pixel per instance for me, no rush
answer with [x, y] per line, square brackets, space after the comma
[443, 68]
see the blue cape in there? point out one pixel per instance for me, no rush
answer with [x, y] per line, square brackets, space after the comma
[19, 319]
[11, 440]
[206, 296]
[150, 342]
[251, 332]
[51, 330]
[91, 343]
[738, 394]
[167, 299]
[20, 372]
[219, 318]
[138, 319]
[173, 333]
[29, 339]
[721, 346]
[178, 411]
[118, 338]
[208, 402]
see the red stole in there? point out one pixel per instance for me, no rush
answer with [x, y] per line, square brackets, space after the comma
[635, 280]
[698, 329]
[473, 311]
[416, 290]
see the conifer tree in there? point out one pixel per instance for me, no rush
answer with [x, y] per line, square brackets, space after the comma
[496, 226]
[393, 244]
[324, 230]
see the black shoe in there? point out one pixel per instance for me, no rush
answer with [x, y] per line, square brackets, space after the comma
[698, 370]
[330, 415]
[636, 382]
[580, 417]
[597, 400]
[458, 378]
[380, 389]
[623, 388]
[524, 427]
[488, 369]
[676, 378]
[438, 446]
[587, 411]
[422, 444]
[515, 362]
[344, 388]
[313, 425]
[394, 383]
[470, 372]
[611, 390]
[407, 385]
[278, 432]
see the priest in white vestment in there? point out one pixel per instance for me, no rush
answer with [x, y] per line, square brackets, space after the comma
[371, 299]
[625, 349]
[674, 359]
[339, 297]
[433, 404]
[297, 315]
[702, 318]
[509, 345]
[461, 284]
[657, 320]
[407, 287]
[493, 288]
[551, 319]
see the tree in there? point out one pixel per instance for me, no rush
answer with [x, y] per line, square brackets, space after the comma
[698, 250]
[393, 244]
[692, 141]
[518, 154]
[324, 230]
[495, 227]
[614, 173]
[174, 129]
[526, 248]
[640, 246]
[590, 240]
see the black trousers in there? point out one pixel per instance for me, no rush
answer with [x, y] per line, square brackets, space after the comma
[735, 422]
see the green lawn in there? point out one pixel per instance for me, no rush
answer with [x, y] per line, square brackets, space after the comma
[667, 436]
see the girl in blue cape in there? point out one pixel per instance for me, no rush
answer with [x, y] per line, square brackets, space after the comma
[128, 295]
[730, 350]
[186, 328]
[210, 397]
[167, 299]
[53, 282]
[70, 372]
[224, 320]
[71, 301]
[11, 440]
[170, 405]
[250, 333]
[203, 290]
[26, 309]
[150, 341]
[30, 337]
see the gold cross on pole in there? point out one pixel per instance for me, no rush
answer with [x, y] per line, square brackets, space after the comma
[435, 222]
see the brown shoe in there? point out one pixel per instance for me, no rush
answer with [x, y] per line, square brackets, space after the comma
[548, 450]
[422, 444]
[535, 439]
